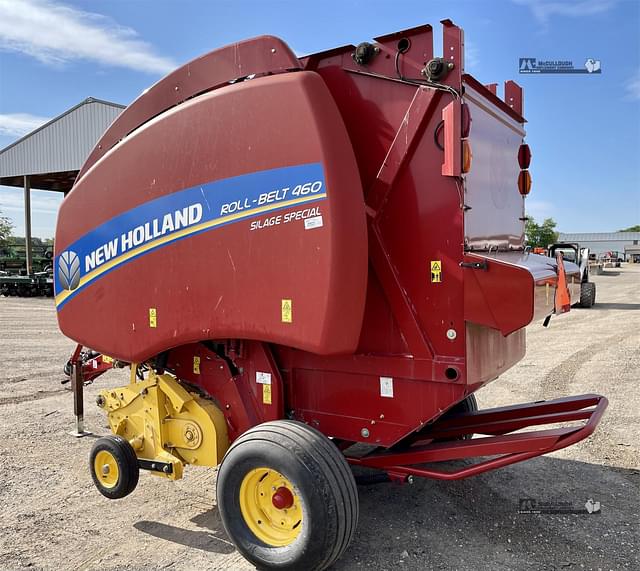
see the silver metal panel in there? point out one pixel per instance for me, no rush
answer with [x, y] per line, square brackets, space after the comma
[495, 218]
[61, 145]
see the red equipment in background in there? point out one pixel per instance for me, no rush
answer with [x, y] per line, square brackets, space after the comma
[336, 239]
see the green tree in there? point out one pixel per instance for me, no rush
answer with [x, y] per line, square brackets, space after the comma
[540, 235]
[6, 226]
[635, 228]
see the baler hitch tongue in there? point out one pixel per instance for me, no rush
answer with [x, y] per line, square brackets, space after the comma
[444, 441]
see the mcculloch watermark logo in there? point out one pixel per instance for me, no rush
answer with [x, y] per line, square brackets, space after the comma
[534, 65]
[536, 506]
[69, 270]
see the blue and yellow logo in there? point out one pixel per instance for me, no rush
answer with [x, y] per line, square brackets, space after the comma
[179, 215]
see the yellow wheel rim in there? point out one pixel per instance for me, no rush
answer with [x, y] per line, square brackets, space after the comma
[106, 468]
[270, 507]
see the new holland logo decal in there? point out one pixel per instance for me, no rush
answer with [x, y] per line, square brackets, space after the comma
[184, 213]
[69, 270]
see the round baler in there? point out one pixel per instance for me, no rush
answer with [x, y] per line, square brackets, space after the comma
[297, 255]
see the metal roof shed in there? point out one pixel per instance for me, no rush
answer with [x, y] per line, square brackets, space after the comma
[50, 157]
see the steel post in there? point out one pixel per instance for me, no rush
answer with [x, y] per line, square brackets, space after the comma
[27, 223]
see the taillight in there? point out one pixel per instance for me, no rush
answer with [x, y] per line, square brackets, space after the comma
[466, 120]
[467, 156]
[524, 156]
[524, 183]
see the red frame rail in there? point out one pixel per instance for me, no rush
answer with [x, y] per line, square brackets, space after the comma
[499, 424]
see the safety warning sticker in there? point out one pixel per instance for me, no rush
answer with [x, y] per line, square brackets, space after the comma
[436, 271]
[266, 394]
[263, 378]
[287, 311]
[386, 387]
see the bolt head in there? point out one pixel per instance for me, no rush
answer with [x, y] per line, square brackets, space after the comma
[364, 433]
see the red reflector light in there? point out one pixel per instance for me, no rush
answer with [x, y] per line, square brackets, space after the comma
[466, 120]
[524, 183]
[524, 156]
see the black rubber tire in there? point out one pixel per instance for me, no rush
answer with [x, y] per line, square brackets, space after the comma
[322, 480]
[587, 294]
[125, 457]
[469, 404]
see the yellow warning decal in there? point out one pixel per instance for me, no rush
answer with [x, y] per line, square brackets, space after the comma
[153, 317]
[436, 271]
[287, 311]
[106, 359]
[266, 394]
[196, 365]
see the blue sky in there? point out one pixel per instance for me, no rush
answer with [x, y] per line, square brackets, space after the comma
[584, 130]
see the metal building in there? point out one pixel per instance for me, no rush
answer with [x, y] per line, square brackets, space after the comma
[604, 242]
[50, 157]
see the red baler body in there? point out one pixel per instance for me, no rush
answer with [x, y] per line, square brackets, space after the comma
[306, 225]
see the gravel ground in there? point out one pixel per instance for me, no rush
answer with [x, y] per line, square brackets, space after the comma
[53, 518]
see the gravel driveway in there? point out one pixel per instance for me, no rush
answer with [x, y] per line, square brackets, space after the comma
[53, 518]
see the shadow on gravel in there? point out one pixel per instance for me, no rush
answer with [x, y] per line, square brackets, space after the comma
[599, 305]
[213, 540]
[475, 524]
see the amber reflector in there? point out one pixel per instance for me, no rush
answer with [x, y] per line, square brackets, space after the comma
[467, 156]
[524, 156]
[524, 183]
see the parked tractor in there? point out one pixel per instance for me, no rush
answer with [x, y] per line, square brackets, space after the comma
[309, 264]
[572, 252]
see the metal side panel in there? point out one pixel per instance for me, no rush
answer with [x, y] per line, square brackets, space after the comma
[495, 218]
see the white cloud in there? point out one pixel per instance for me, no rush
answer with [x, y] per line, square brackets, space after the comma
[42, 201]
[44, 210]
[18, 124]
[544, 10]
[56, 34]
[632, 87]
